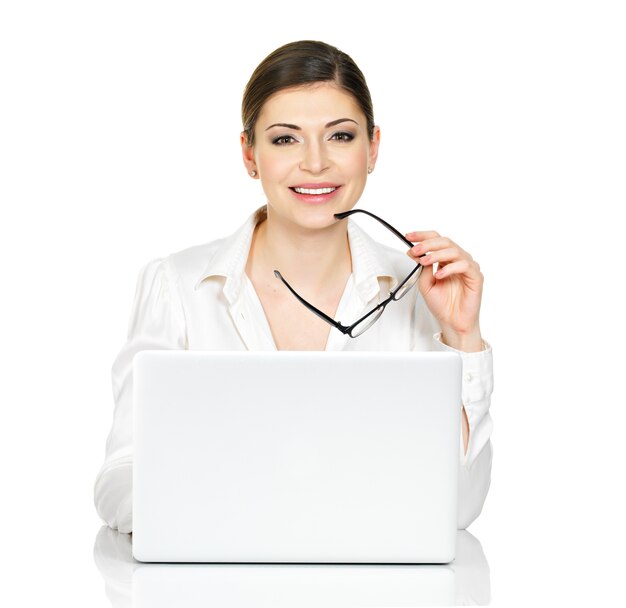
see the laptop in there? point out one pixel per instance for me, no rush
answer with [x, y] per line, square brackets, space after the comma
[296, 457]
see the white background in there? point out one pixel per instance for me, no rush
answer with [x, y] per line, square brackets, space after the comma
[503, 127]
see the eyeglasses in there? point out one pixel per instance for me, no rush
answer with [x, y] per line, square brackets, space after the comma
[364, 323]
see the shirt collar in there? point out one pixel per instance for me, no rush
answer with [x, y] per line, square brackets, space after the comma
[371, 261]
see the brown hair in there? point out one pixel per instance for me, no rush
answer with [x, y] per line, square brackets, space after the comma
[300, 63]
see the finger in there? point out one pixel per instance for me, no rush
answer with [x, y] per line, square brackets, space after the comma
[451, 254]
[420, 236]
[464, 266]
[433, 244]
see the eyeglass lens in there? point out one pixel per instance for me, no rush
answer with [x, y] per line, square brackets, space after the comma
[408, 284]
[366, 323]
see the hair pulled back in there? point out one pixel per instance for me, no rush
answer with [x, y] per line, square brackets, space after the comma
[301, 63]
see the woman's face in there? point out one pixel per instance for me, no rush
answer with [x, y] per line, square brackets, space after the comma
[312, 137]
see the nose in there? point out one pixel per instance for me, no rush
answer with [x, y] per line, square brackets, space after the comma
[314, 157]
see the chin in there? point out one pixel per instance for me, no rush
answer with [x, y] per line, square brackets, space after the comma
[309, 216]
[318, 218]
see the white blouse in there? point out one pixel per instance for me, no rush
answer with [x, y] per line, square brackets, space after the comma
[200, 298]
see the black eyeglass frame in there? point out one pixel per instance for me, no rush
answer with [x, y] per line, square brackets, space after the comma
[348, 329]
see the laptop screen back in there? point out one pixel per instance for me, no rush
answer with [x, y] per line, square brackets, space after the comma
[348, 457]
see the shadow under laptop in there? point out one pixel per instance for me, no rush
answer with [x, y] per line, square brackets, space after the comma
[465, 581]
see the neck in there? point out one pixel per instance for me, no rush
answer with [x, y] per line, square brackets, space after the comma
[310, 259]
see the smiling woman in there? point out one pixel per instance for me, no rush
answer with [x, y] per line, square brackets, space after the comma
[309, 137]
[320, 162]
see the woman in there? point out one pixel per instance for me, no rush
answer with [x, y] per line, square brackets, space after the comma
[309, 137]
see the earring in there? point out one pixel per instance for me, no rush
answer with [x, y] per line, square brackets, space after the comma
[369, 169]
[253, 173]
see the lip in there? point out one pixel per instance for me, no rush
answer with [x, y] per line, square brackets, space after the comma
[316, 185]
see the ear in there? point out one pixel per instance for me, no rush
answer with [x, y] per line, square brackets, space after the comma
[247, 153]
[374, 144]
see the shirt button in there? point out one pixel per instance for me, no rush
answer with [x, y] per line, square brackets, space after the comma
[469, 377]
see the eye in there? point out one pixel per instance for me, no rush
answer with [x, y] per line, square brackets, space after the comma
[280, 141]
[343, 136]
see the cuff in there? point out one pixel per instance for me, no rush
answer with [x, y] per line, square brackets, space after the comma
[477, 371]
[113, 494]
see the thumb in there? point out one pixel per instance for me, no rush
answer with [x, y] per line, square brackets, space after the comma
[426, 280]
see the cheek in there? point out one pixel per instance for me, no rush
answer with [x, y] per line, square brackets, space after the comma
[273, 164]
[358, 163]
[361, 156]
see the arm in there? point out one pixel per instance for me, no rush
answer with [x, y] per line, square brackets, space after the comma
[468, 344]
[476, 454]
[453, 295]
[157, 321]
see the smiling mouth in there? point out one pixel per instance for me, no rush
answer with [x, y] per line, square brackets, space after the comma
[314, 191]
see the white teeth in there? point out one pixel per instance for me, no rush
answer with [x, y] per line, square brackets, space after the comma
[314, 191]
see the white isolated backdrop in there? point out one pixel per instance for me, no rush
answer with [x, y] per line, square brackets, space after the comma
[503, 127]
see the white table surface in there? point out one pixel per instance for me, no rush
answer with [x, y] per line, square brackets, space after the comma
[128, 582]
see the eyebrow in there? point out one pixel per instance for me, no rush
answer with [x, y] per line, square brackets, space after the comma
[332, 123]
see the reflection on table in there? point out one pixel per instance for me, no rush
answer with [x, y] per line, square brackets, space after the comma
[128, 583]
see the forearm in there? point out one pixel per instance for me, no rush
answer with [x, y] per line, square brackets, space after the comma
[469, 343]
[113, 494]
[476, 424]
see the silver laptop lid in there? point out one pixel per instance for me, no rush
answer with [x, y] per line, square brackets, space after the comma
[296, 456]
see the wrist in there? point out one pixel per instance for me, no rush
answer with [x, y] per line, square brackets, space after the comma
[469, 342]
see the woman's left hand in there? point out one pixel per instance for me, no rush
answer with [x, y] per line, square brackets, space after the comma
[453, 294]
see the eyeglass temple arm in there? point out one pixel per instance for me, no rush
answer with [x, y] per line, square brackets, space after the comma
[342, 328]
[344, 214]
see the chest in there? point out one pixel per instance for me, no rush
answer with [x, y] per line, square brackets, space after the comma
[213, 322]
[293, 326]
